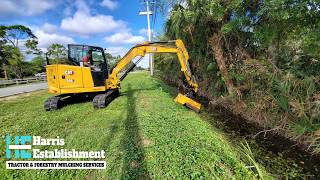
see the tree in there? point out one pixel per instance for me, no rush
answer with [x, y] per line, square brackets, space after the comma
[203, 22]
[16, 62]
[38, 64]
[111, 60]
[3, 53]
[269, 49]
[57, 53]
[279, 31]
[10, 54]
[32, 47]
[16, 33]
[2, 35]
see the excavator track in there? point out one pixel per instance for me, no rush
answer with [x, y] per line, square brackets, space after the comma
[52, 103]
[103, 100]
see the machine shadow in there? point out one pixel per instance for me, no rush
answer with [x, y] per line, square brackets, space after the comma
[131, 91]
[134, 165]
[113, 129]
[83, 98]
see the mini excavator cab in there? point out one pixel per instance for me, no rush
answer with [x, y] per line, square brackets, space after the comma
[97, 61]
[73, 77]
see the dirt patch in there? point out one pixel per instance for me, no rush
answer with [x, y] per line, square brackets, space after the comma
[147, 142]
[134, 164]
[145, 102]
[91, 175]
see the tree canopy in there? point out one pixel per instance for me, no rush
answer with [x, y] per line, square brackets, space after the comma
[15, 33]
[57, 53]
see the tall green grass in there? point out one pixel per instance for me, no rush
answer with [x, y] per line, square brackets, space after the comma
[144, 132]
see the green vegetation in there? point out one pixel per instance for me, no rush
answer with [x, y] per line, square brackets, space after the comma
[262, 56]
[144, 133]
[13, 62]
[57, 54]
[11, 58]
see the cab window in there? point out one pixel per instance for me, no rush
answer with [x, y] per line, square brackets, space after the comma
[77, 52]
[97, 58]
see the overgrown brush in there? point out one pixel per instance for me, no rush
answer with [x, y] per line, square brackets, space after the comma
[282, 100]
[261, 55]
[248, 157]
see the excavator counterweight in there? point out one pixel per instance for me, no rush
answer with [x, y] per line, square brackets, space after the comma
[88, 74]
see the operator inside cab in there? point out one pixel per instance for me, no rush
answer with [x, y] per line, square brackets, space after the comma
[86, 59]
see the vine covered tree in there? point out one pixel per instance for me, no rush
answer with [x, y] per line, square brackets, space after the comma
[268, 52]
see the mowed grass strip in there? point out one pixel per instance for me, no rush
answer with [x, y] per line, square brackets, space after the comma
[144, 132]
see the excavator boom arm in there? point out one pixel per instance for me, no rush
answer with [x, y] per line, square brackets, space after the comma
[113, 82]
[155, 47]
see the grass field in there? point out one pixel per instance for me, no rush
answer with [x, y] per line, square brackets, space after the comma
[144, 132]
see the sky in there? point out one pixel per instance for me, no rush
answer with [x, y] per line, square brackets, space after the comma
[111, 24]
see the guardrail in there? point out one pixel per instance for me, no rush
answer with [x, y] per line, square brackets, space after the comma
[4, 83]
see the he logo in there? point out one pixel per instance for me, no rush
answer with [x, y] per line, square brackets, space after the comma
[19, 147]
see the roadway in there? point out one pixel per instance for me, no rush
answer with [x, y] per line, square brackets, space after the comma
[14, 90]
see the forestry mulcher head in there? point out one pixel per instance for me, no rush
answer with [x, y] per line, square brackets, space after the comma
[190, 103]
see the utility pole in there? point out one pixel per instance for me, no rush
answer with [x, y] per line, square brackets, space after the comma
[148, 13]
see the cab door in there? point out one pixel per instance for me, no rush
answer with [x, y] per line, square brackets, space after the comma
[99, 68]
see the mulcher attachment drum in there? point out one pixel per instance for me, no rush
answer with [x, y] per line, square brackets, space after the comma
[102, 100]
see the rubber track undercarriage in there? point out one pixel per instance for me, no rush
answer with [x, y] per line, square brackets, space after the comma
[99, 101]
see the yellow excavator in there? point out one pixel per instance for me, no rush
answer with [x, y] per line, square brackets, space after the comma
[95, 79]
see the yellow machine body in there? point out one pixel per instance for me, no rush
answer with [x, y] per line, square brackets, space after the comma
[71, 79]
[68, 79]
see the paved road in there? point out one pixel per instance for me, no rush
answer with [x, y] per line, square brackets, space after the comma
[9, 91]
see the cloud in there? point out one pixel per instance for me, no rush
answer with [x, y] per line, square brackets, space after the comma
[67, 11]
[49, 28]
[84, 23]
[45, 39]
[109, 4]
[117, 50]
[124, 38]
[26, 7]
[143, 31]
